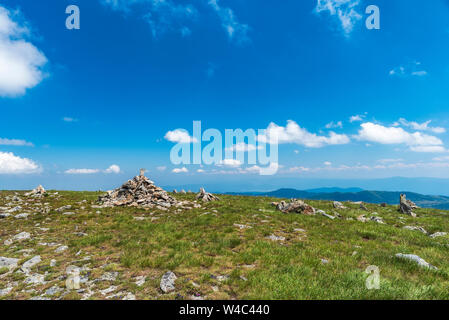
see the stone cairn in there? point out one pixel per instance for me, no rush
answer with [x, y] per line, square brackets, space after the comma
[407, 206]
[294, 206]
[205, 196]
[139, 191]
[39, 191]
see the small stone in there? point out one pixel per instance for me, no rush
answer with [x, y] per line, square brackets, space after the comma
[109, 276]
[168, 282]
[276, 238]
[31, 263]
[21, 216]
[324, 261]
[413, 228]
[61, 249]
[52, 263]
[140, 280]
[420, 261]
[438, 234]
[108, 290]
[9, 263]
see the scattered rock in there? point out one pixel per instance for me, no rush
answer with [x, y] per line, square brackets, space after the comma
[108, 290]
[420, 261]
[338, 205]
[362, 218]
[34, 279]
[18, 237]
[26, 267]
[109, 276]
[9, 263]
[295, 206]
[21, 216]
[413, 228]
[205, 196]
[438, 234]
[377, 219]
[61, 249]
[362, 207]
[64, 208]
[53, 290]
[140, 280]
[168, 282]
[327, 215]
[242, 226]
[324, 261]
[276, 238]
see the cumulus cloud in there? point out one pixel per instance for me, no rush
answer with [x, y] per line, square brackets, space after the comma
[180, 170]
[293, 133]
[356, 118]
[161, 168]
[21, 63]
[344, 11]
[113, 169]
[179, 136]
[230, 163]
[15, 142]
[12, 164]
[419, 126]
[235, 30]
[417, 141]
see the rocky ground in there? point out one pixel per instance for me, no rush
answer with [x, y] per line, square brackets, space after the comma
[67, 245]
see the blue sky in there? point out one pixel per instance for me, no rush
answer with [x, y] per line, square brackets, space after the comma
[85, 109]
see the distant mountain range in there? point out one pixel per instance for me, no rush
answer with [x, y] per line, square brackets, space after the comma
[355, 194]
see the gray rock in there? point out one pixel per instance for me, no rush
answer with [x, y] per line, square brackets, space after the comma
[63, 208]
[4, 215]
[53, 290]
[140, 280]
[21, 216]
[35, 279]
[420, 261]
[413, 228]
[5, 291]
[61, 249]
[109, 276]
[276, 238]
[327, 215]
[26, 267]
[338, 205]
[168, 282]
[377, 219]
[438, 234]
[9, 263]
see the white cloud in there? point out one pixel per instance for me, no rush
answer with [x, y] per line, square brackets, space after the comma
[327, 163]
[12, 164]
[230, 163]
[161, 168]
[299, 169]
[200, 171]
[417, 141]
[356, 118]
[180, 170]
[343, 10]
[419, 126]
[81, 171]
[332, 125]
[179, 136]
[293, 133]
[21, 62]
[69, 119]
[113, 169]
[413, 69]
[445, 158]
[389, 160]
[15, 142]
[235, 30]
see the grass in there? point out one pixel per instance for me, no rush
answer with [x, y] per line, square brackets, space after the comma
[202, 244]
